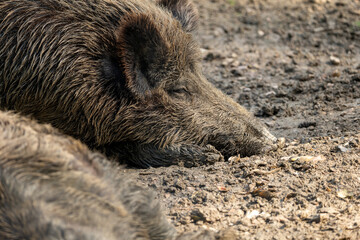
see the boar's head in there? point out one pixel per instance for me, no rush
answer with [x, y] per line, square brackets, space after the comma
[175, 113]
[124, 77]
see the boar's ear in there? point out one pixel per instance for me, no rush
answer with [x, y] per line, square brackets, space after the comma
[184, 11]
[142, 53]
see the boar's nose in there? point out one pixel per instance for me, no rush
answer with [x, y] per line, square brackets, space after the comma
[273, 142]
[268, 136]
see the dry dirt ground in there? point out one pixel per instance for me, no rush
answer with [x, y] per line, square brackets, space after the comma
[296, 65]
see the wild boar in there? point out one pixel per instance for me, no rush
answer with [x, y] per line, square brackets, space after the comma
[124, 77]
[54, 187]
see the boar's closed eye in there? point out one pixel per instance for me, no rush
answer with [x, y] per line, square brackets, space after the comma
[179, 92]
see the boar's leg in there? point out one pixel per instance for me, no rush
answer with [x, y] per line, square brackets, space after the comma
[149, 155]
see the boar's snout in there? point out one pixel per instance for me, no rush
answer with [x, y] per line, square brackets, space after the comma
[245, 141]
[229, 127]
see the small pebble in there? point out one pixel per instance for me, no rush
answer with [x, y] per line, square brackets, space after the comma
[253, 214]
[334, 60]
[247, 90]
[336, 73]
[341, 148]
[261, 33]
[270, 94]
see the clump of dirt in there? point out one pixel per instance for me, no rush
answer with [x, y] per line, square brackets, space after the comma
[296, 65]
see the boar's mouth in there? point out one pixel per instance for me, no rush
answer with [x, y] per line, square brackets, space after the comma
[238, 133]
[243, 144]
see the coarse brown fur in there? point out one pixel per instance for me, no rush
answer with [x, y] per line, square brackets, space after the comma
[122, 76]
[53, 187]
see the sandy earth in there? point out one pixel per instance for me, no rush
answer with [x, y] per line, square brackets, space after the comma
[296, 65]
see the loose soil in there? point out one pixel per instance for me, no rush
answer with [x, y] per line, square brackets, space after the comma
[296, 65]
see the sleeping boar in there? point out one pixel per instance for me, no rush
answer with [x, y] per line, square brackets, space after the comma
[53, 188]
[122, 76]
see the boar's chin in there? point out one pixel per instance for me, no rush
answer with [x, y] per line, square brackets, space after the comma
[230, 147]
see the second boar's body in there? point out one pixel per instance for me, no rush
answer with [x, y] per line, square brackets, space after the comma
[122, 76]
[53, 188]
